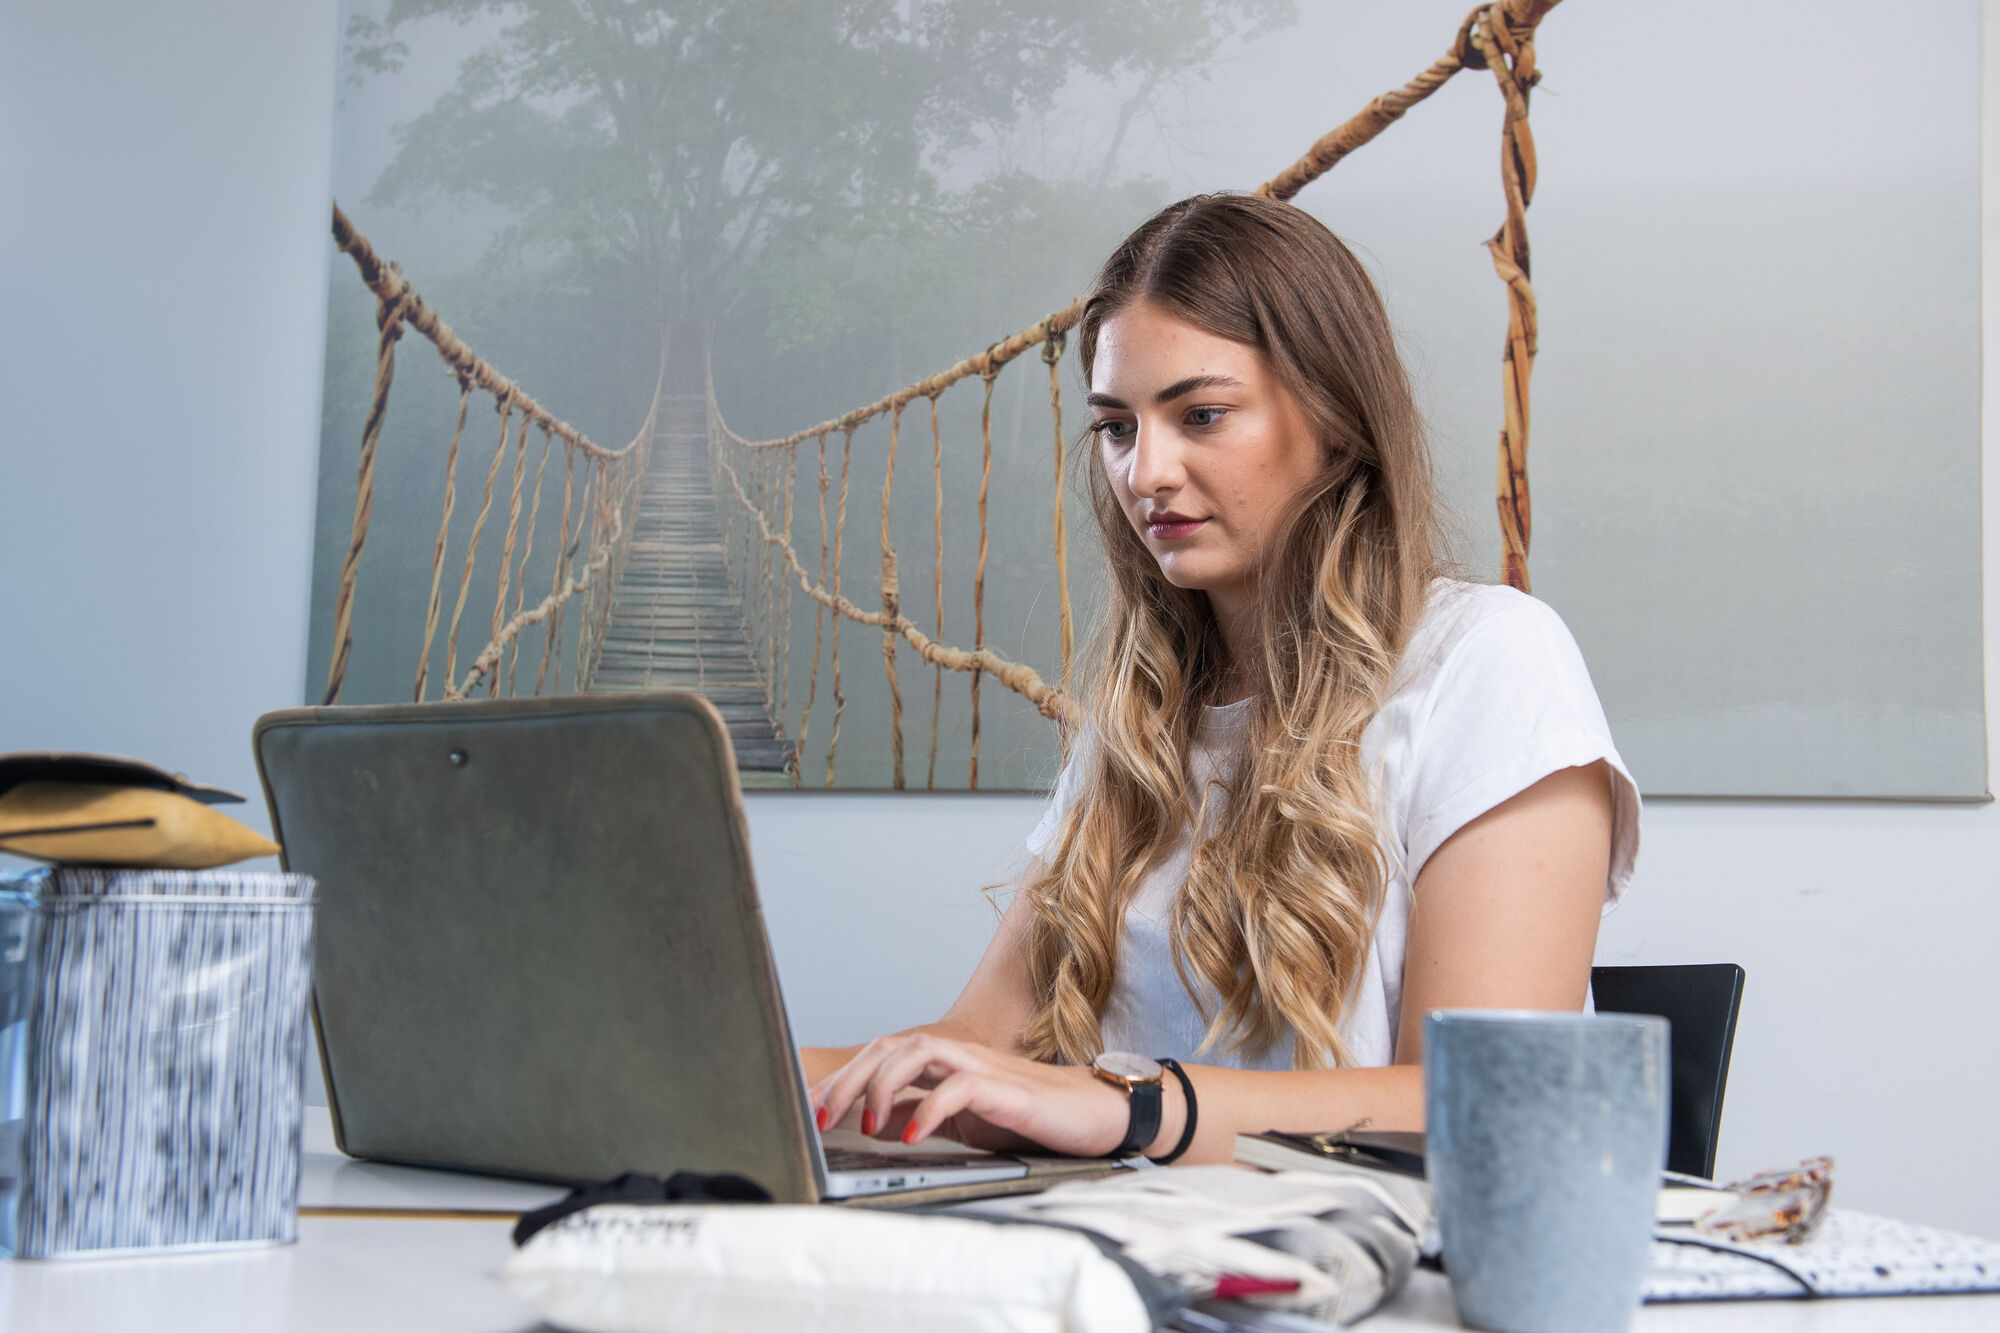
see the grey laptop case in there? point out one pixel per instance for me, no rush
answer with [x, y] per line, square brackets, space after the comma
[540, 950]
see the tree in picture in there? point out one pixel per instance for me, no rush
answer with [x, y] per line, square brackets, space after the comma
[836, 196]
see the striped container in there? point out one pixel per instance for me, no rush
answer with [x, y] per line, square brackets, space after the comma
[153, 1037]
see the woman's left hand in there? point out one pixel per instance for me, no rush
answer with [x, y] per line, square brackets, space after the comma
[974, 1094]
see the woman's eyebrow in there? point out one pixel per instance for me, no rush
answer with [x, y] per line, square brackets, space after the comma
[1181, 388]
[1178, 389]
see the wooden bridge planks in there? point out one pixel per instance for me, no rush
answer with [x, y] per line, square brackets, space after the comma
[676, 621]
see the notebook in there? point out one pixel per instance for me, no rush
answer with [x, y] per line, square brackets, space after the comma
[540, 952]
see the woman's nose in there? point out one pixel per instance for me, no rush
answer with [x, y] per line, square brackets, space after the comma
[1156, 462]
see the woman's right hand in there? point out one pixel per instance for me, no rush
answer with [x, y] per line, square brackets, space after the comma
[823, 1062]
[924, 1081]
[992, 1011]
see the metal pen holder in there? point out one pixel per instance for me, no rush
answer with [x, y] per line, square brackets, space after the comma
[153, 1036]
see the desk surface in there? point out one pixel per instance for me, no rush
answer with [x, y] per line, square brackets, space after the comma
[436, 1276]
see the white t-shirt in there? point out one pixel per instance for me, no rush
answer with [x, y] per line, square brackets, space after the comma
[1491, 697]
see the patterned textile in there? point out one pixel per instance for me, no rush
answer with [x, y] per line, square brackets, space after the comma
[1852, 1254]
[152, 1044]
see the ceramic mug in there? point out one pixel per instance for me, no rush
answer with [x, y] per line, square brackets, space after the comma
[1545, 1137]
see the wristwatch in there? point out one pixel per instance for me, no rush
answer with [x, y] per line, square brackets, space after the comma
[1141, 1078]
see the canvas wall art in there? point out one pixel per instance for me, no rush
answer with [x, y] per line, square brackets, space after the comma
[721, 346]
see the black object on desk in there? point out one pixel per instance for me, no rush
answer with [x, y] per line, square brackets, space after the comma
[638, 1187]
[1700, 1001]
[1386, 1150]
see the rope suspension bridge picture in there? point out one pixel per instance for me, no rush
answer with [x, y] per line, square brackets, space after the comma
[692, 557]
[677, 620]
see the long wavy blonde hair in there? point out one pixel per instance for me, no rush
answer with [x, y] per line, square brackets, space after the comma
[1273, 927]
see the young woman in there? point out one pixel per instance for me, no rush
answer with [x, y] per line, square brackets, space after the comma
[1321, 789]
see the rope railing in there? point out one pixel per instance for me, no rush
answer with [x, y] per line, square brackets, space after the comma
[1498, 37]
[596, 573]
[589, 542]
[1023, 680]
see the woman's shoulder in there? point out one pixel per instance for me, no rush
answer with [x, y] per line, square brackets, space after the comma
[1490, 621]
[1494, 696]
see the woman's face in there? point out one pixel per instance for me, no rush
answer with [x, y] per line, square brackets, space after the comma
[1202, 444]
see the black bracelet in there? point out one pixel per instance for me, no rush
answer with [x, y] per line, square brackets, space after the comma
[1187, 1130]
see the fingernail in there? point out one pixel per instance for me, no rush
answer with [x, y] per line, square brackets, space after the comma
[821, 1118]
[910, 1134]
[868, 1122]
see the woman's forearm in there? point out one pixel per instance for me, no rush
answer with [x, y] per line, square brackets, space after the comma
[1246, 1101]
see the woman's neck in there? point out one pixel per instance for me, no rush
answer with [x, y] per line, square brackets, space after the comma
[1235, 613]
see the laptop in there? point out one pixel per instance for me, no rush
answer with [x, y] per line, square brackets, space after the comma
[540, 952]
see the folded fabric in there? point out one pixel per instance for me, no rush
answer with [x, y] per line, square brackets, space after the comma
[684, 1268]
[1348, 1241]
[91, 823]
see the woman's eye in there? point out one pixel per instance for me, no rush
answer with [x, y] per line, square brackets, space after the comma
[1112, 429]
[1205, 416]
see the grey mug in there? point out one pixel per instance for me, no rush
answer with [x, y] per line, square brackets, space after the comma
[1545, 1137]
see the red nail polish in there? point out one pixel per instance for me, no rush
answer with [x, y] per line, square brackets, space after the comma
[868, 1122]
[821, 1118]
[910, 1134]
[1235, 1286]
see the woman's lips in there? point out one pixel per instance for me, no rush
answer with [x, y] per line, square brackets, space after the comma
[1168, 526]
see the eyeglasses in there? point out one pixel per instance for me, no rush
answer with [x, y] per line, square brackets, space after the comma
[1786, 1204]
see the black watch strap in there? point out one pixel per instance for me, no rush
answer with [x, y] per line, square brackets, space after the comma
[1144, 1126]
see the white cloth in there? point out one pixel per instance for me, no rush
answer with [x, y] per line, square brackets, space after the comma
[705, 1268]
[1491, 696]
[1348, 1239]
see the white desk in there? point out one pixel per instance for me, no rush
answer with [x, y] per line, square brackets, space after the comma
[370, 1275]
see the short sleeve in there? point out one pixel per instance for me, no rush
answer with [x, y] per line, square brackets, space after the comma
[1508, 703]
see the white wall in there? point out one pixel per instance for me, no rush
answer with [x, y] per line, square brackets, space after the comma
[164, 227]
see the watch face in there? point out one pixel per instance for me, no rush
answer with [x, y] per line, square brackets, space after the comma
[1124, 1064]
